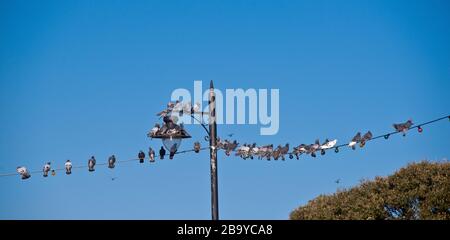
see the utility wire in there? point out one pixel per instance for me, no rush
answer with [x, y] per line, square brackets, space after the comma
[99, 164]
[386, 135]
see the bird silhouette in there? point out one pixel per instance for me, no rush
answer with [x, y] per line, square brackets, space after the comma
[141, 156]
[162, 153]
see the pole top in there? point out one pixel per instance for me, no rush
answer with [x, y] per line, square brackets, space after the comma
[211, 85]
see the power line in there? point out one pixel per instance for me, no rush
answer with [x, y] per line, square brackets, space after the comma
[98, 164]
[336, 148]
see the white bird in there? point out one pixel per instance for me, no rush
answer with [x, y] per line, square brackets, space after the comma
[328, 144]
[68, 166]
[187, 108]
[243, 151]
[23, 172]
[196, 108]
[178, 107]
[46, 169]
[154, 130]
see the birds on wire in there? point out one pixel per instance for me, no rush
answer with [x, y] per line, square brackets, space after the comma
[245, 151]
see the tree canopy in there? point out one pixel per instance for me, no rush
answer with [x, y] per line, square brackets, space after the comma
[417, 191]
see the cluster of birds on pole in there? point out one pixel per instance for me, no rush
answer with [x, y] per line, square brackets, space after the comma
[180, 108]
[245, 151]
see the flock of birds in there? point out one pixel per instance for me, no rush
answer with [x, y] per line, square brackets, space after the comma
[244, 151]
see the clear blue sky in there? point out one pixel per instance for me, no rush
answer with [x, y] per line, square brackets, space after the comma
[82, 78]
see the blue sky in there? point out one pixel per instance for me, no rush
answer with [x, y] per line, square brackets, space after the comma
[82, 78]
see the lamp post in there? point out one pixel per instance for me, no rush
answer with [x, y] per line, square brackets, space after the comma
[173, 141]
[213, 153]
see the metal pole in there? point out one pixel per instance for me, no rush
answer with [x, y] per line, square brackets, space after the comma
[213, 153]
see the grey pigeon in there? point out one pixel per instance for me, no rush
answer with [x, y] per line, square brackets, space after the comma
[365, 138]
[151, 154]
[112, 161]
[403, 127]
[313, 148]
[91, 164]
[356, 139]
[276, 153]
[284, 150]
[141, 156]
[197, 147]
[231, 147]
[173, 150]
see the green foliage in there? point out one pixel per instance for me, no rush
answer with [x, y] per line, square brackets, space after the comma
[418, 191]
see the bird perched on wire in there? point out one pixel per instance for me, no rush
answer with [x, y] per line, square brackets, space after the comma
[187, 108]
[276, 153]
[46, 169]
[173, 150]
[171, 105]
[243, 151]
[91, 164]
[230, 147]
[284, 150]
[112, 161]
[151, 154]
[403, 127]
[197, 147]
[297, 152]
[366, 137]
[356, 139]
[328, 144]
[311, 149]
[162, 153]
[141, 156]
[220, 144]
[68, 166]
[266, 152]
[178, 108]
[196, 108]
[23, 172]
[254, 150]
